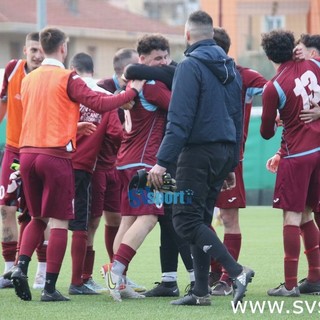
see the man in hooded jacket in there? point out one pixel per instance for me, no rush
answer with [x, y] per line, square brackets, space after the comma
[203, 133]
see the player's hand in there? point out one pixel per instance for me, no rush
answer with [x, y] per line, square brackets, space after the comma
[137, 84]
[229, 182]
[312, 114]
[279, 122]
[298, 53]
[155, 176]
[273, 163]
[128, 105]
[86, 128]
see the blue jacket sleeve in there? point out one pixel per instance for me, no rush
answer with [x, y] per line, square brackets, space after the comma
[182, 111]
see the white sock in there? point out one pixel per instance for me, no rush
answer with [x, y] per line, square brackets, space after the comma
[169, 276]
[8, 265]
[41, 269]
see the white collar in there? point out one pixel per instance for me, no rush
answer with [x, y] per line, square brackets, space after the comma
[53, 62]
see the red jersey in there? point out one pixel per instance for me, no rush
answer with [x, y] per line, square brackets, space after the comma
[111, 143]
[108, 125]
[252, 85]
[144, 127]
[295, 84]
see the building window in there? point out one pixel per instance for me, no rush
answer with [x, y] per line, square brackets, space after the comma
[273, 22]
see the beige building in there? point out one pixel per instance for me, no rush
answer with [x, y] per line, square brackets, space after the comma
[245, 20]
[93, 26]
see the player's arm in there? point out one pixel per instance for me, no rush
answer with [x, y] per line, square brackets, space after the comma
[156, 93]
[139, 71]
[79, 92]
[270, 102]
[3, 94]
[3, 109]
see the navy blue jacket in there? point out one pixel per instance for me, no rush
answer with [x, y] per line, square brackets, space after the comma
[205, 106]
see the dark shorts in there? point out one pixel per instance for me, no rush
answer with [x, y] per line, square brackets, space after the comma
[48, 185]
[137, 207]
[105, 192]
[7, 160]
[236, 197]
[81, 201]
[298, 183]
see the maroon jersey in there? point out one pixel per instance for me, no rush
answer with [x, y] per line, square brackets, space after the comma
[111, 143]
[88, 146]
[144, 127]
[290, 91]
[252, 85]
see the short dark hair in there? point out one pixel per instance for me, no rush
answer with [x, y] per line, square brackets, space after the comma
[200, 18]
[310, 41]
[32, 36]
[82, 62]
[122, 58]
[51, 39]
[222, 38]
[150, 42]
[278, 45]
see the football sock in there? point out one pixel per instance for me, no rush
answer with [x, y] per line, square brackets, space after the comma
[51, 280]
[56, 249]
[23, 263]
[291, 243]
[232, 241]
[42, 251]
[169, 276]
[310, 236]
[317, 219]
[78, 253]
[208, 241]
[32, 236]
[110, 233]
[201, 270]
[88, 264]
[123, 257]
[9, 250]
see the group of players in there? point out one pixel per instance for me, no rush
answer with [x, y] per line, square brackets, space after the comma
[112, 143]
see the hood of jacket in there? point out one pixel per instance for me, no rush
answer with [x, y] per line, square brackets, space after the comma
[214, 58]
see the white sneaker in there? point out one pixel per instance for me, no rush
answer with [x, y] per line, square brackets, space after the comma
[114, 282]
[39, 281]
[136, 287]
[91, 284]
[128, 293]
[5, 283]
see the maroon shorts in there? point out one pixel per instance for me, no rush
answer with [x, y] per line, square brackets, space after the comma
[236, 197]
[138, 207]
[105, 192]
[48, 185]
[298, 183]
[7, 160]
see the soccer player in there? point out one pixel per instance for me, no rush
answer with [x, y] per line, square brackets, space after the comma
[170, 243]
[50, 98]
[144, 127]
[204, 134]
[83, 161]
[298, 174]
[231, 200]
[10, 104]
[105, 185]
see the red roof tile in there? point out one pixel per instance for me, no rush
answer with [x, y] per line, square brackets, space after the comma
[90, 14]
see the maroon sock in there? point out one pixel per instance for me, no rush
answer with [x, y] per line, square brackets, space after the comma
[78, 253]
[317, 219]
[56, 249]
[22, 225]
[310, 236]
[32, 236]
[232, 241]
[124, 254]
[110, 233]
[42, 252]
[9, 250]
[88, 264]
[291, 244]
